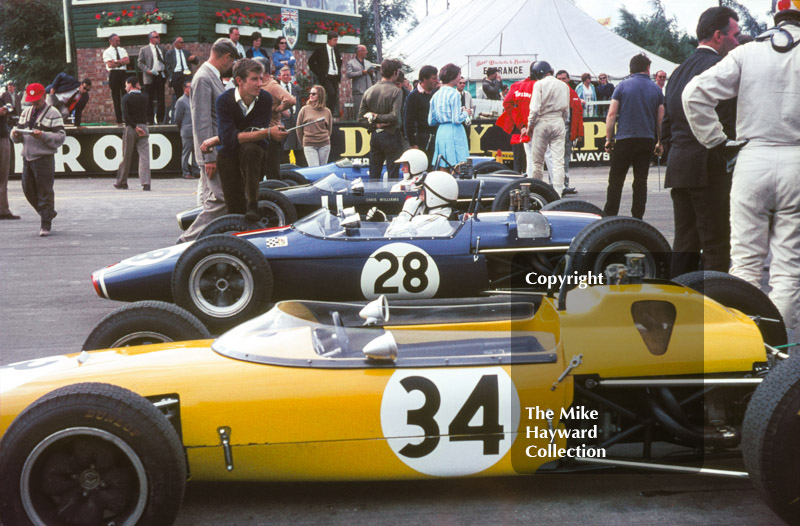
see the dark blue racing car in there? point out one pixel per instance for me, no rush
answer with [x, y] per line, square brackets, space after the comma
[225, 279]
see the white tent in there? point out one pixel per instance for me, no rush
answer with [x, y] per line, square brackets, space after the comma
[554, 30]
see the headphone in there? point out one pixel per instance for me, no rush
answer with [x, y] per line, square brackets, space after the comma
[782, 41]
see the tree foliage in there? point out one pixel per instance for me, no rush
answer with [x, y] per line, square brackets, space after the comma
[32, 40]
[393, 13]
[747, 22]
[656, 33]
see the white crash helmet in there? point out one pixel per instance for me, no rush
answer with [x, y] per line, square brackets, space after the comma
[417, 162]
[441, 189]
[781, 8]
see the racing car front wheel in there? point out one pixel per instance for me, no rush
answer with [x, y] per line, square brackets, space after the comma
[223, 280]
[487, 167]
[272, 184]
[91, 453]
[608, 240]
[541, 194]
[574, 205]
[276, 209]
[145, 323]
[741, 295]
[293, 177]
[229, 224]
[769, 439]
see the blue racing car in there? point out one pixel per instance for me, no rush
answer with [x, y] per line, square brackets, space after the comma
[225, 279]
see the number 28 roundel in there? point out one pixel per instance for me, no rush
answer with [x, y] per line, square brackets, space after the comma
[399, 270]
[450, 422]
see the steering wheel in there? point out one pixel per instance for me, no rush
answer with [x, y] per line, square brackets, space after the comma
[341, 333]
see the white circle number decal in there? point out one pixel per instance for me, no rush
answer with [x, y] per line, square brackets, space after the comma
[450, 422]
[399, 270]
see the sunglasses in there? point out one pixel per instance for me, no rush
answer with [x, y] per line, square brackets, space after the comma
[312, 93]
[281, 43]
[661, 77]
[603, 78]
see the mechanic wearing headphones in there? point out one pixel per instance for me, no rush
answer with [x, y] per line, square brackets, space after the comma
[428, 214]
[765, 196]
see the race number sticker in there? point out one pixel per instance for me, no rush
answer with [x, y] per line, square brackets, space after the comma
[400, 270]
[450, 422]
[154, 256]
[20, 373]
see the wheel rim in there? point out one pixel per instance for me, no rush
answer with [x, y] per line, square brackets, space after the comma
[271, 214]
[141, 338]
[538, 198]
[221, 286]
[85, 473]
[615, 253]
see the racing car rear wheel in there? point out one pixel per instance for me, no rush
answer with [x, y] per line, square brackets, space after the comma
[289, 166]
[294, 178]
[91, 453]
[574, 205]
[223, 280]
[741, 295]
[608, 240]
[145, 323]
[487, 167]
[229, 224]
[541, 194]
[272, 184]
[769, 440]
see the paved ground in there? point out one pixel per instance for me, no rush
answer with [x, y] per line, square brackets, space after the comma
[49, 307]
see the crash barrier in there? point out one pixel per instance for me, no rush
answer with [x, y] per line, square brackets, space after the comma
[97, 150]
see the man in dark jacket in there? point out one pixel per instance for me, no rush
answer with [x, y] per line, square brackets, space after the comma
[326, 63]
[242, 153]
[419, 133]
[135, 112]
[697, 176]
[67, 94]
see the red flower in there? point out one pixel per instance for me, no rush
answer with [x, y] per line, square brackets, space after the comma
[219, 14]
[124, 12]
[117, 19]
[138, 7]
[97, 16]
[130, 14]
[247, 9]
[229, 21]
[158, 18]
[155, 10]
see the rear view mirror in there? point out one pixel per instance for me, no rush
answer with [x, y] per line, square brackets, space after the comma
[375, 311]
[384, 347]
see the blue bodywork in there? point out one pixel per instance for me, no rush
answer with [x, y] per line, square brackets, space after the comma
[315, 258]
[351, 169]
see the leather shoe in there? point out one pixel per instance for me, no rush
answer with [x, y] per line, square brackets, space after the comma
[44, 232]
[146, 187]
[8, 216]
[121, 186]
[188, 176]
[569, 190]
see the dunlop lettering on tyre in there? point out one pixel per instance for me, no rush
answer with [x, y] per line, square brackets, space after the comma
[399, 270]
[450, 423]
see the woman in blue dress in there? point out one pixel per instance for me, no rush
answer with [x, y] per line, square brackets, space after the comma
[447, 112]
[282, 55]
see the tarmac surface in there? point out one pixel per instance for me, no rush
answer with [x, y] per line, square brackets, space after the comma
[49, 307]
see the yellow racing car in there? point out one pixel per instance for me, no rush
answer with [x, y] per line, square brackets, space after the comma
[637, 374]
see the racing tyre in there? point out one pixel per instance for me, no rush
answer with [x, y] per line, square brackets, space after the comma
[487, 167]
[229, 224]
[91, 453]
[294, 178]
[741, 295]
[289, 166]
[769, 440]
[606, 241]
[574, 205]
[506, 171]
[272, 184]
[223, 280]
[541, 194]
[276, 209]
[145, 323]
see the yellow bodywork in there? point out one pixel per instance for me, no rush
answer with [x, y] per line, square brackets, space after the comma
[318, 423]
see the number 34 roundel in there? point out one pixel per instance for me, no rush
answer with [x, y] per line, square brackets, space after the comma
[400, 270]
[450, 422]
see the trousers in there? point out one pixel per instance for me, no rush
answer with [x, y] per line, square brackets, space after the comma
[240, 176]
[38, 176]
[549, 132]
[629, 152]
[131, 140]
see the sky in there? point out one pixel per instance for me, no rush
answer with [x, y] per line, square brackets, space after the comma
[685, 11]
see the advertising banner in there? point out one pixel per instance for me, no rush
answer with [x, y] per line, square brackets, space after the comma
[511, 67]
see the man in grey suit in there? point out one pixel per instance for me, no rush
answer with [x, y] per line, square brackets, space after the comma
[360, 71]
[183, 118]
[178, 69]
[206, 87]
[154, 72]
[289, 119]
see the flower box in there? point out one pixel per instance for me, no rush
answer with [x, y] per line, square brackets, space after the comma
[246, 31]
[127, 31]
[322, 38]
